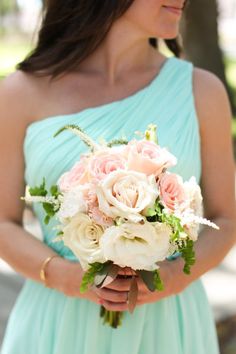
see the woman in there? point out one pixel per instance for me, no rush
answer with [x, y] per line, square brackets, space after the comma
[94, 65]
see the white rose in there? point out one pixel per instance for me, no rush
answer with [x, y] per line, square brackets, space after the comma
[194, 196]
[126, 194]
[138, 246]
[72, 202]
[194, 207]
[83, 236]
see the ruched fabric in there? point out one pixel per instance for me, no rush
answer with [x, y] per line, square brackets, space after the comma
[45, 321]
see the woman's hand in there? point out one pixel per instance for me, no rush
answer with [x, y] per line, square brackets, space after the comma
[66, 276]
[115, 295]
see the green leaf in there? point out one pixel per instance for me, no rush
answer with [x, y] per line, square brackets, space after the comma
[148, 278]
[102, 274]
[39, 191]
[111, 275]
[158, 283]
[151, 212]
[54, 191]
[89, 275]
[47, 219]
[50, 212]
[49, 208]
[188, 255]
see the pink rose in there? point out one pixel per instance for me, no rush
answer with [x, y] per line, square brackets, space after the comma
[148, 157]
[76, 176]
[105, 162]
[171, 190]
[90, 196]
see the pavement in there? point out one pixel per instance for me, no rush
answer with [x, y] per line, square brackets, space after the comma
[219, 283]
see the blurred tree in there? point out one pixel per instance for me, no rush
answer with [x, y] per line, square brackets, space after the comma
[6, 7]
[201, 40]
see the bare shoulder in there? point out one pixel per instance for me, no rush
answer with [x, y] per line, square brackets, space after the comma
[214, 114]
[19, 97]
[211, 99]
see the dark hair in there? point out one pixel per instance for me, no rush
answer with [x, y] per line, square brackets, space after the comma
[73, 29]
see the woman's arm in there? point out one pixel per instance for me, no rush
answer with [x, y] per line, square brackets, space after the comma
[218, 189]
[218, 171]
[17, 247]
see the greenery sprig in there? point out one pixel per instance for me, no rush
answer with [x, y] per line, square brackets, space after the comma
[50, 208]
[185, 246]
[89, 276]
[81, 133]
[117, 142]
[188, 255]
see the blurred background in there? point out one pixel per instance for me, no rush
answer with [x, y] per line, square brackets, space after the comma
[208, 35]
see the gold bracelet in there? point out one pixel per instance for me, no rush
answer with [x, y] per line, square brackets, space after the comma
[42, 272]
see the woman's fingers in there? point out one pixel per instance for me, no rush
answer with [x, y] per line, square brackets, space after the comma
[123, 284]
[126, 271]
[112, 295]
[119, 284]
[115, 306]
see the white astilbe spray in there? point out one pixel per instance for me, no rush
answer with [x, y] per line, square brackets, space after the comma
[203, 221]
[40, 199]
[83, 136]
[72, 203]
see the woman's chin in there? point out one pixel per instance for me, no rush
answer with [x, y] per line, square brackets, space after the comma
[170, 34]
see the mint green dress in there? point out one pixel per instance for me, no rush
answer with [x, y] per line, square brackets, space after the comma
[45, 321]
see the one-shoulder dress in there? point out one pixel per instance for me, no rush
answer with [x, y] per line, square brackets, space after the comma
[45, 321]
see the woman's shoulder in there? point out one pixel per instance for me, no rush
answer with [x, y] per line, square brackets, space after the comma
[211, 99]
[19, 98]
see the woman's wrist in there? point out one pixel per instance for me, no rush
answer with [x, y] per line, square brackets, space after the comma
[55, 272]
[174, 276]
[65, 276]
[43, 269]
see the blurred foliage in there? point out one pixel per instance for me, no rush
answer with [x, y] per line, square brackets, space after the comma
[11, 52]
[8, 6]
[201, 40]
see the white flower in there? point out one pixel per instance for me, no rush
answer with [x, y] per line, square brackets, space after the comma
[191, 208]
[82, 236]
[39, 199]
[126, 194]
[193, 224]
[72, 203]
[194, 196]
[138, 246]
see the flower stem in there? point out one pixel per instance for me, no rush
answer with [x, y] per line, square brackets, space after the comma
[112, 318]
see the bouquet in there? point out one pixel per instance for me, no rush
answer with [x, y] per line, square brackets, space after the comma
[120, 207]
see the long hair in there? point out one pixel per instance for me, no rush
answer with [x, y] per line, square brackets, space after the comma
[71, 30]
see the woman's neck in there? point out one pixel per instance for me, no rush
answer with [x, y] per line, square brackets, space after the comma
[124, 50]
